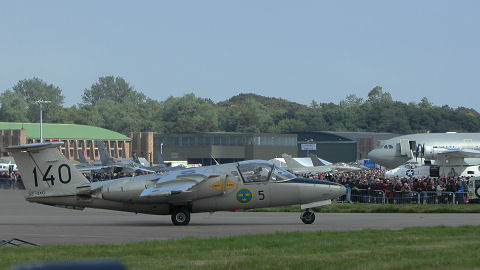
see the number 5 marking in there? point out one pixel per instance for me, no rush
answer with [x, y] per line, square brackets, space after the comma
[261, 196]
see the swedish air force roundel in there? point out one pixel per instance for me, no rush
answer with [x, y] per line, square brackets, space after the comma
[244, 195]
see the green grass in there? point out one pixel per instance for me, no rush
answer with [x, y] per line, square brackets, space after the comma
[411, 248]
[381, 208]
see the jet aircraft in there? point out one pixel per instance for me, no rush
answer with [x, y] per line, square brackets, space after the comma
[128, 165]
[84, 166]
[316, 161]
[50, 179]
[443, 153]
[297, 168]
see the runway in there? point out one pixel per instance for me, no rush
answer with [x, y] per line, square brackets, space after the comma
[48, 225]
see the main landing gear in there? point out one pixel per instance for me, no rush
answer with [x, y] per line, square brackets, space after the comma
[181, 216]
[308, 217]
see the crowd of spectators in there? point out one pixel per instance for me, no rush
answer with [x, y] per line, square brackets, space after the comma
[109, 176]
[11, 180]
[368, 185]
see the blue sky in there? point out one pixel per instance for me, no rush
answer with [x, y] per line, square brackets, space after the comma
[296, 50]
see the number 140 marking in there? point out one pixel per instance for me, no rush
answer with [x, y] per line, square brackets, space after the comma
[51, 178]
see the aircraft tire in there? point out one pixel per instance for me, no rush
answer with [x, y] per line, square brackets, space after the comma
[181, 217]
[308, 217]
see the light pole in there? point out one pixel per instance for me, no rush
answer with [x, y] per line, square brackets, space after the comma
[41, 102]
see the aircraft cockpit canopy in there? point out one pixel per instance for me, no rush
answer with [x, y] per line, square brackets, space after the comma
[262, 171]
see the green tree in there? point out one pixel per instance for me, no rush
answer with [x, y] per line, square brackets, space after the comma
[13, 107]
[32, 90]
[112, 88]
[189, 113]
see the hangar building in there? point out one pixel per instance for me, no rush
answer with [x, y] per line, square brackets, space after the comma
[74, 136]
[339, 146]
[200, 147]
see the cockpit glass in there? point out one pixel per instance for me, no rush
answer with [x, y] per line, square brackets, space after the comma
[255, 172]
[280, 174]
[390, 146]
[386, 146]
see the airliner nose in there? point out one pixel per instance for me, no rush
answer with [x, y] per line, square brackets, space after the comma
[374, 155]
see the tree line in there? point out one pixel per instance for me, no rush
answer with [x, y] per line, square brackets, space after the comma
[112, 103]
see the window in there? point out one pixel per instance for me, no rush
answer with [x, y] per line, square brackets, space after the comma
[280, 174]
[255, 172]
[112, 144]
[89, 143]
[390, 146]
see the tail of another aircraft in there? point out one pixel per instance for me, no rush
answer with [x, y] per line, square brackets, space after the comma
[292, 163]
[45, 171]
[105, 157]
[81, 157]
[316, 161]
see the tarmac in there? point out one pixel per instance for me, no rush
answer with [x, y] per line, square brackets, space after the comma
[47, 225]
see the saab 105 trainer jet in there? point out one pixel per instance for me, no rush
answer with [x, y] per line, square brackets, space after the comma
[50, 179]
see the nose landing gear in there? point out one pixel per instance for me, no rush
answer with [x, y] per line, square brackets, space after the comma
[308, 217]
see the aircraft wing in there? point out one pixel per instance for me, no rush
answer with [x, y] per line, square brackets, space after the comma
[460, 153]
[91, 168]
[130, 169]
[167, 190]
[190, 187]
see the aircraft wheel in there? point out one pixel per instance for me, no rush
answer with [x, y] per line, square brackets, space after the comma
[308, 217]
[181, 217]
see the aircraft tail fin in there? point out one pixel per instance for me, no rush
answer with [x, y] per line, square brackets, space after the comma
[316, 161]
[105, 157]
[292, 163]
[45, 171]
[81, 157]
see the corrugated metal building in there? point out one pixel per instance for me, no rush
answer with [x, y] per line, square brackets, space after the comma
[200, 147]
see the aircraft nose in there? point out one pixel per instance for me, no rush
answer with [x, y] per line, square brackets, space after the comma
[340, 190]
[373, 155]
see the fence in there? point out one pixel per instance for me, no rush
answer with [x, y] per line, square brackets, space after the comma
[398, 197]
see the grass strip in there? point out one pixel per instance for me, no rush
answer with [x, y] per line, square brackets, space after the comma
[381, 208]
[410, 248]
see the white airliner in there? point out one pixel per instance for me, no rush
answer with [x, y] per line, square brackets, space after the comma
[449, 154]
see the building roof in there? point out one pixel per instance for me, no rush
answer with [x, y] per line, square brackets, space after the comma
[65, 131]
[359, 135]
[341, 136]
